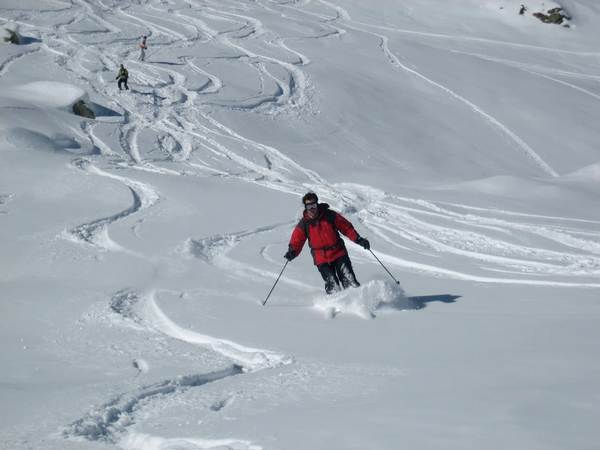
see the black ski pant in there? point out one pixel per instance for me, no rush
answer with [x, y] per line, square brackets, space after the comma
[338, 272]
[123, 81]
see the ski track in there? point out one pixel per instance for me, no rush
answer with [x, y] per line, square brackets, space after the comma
[214, 250]
[462, 276]
[6, 64]
[395, 61]
[95, 232]
[4, 199]
[190, 141]
[142, 309]
[539, 72]
[109, 422]
[479, 40]
[248, 358]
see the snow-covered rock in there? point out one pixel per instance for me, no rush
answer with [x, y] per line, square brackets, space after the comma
[49, 94]
[53, 94]
[459, 137]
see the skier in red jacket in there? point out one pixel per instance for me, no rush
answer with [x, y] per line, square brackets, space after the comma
[321, 226]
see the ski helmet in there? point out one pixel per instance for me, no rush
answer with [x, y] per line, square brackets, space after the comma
[310, 197]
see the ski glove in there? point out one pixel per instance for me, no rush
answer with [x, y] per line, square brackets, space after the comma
[364, 243]
[290, 254]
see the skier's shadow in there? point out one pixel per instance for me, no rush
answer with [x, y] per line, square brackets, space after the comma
[417, 302]
[421, 301]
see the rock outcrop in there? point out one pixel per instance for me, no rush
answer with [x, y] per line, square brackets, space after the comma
[9, 33]
[83, 110]
[555, 15]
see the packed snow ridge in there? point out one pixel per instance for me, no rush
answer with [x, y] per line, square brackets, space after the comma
[141, 229]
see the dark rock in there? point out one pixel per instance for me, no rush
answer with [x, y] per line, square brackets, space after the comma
[554, 15]
[12, 37]
[83, 110]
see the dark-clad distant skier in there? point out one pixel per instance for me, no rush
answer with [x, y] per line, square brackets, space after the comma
[322, 227]
[122, 76]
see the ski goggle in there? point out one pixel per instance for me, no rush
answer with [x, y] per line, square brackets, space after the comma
[310, 206]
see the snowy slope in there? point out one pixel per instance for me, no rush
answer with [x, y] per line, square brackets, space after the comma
[459, 137]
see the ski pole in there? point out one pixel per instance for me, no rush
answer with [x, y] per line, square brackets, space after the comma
[276, 281]
[397, 282]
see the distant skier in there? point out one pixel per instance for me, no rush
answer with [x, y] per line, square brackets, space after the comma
[143, 48]
[522, 10]
[321, 226]
[122, 76]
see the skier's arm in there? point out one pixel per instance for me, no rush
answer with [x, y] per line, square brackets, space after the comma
[297, 241]
[346, 228]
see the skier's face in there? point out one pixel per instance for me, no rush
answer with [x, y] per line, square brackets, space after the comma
[311, 209]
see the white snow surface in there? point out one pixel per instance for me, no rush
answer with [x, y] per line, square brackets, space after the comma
[49, 94]
[460, 138]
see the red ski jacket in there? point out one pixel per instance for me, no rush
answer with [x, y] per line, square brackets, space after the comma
[326, 244]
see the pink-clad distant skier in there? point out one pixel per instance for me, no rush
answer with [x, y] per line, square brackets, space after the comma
[143, 48]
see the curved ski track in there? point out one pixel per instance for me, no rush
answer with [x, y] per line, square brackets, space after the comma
[395, 61]
[95, 232]
[173, 106]
[109, 422]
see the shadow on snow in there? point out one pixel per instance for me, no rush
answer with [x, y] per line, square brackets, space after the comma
[421, 301]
